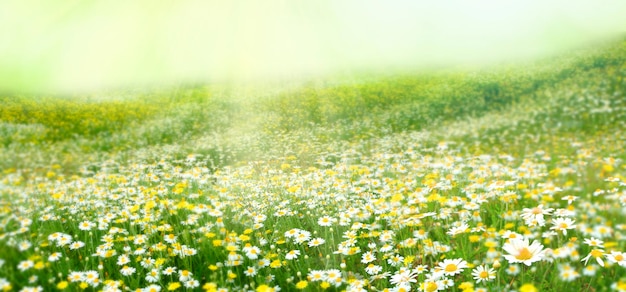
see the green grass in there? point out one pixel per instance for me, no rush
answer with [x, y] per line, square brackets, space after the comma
[417, 169]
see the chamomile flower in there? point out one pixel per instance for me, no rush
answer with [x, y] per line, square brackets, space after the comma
[513, 270]
[520, 251]
[24, 245]
[86, 225]
[123, 260]
[169, 271]
[76, 245]
[55, 256]
[191, 284]
[252, 252]
[316, 275]
[92, 277]
[292, 254]
[184, 275]
[368, 257]
[316, 242]
[153, 276]
[127, 271]
[250, 271]
[326, 221]
[483, 274]
[562, 224]
[5, 285]
[594, 242]
[170, 238]
[590, 270]
[25, 265]
[151, 288]
[568, 273]
[76, 277]
[535, 216]
[373, 269]
[597, 254]
[451, 267]
[617, 257]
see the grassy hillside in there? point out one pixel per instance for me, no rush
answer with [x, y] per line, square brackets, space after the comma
[417, 182]
[122, 121]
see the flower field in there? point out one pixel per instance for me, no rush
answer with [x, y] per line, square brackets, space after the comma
[506, 179]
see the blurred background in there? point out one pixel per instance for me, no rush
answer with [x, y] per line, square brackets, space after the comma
[77, 46]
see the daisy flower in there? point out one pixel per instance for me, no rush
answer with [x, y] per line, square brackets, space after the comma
[147, 262]
[421, 269]
[250, 271]
[373, 269]
[326, 221]
[451, 267]
[303, 236]
[92, 277]
[152, 288]
[55, 256]
[192, 283]
[590, 270]
[77, 245]
[123, 260]
[597, 254]
[5, 285]
[535, 215]
[153, 276]
[431, 285]
[293, 254]
[32, 289]
[24, 245]
[395, 260]
[316, 242]
[25, 265]
[170, 238]
[563, 224]
[520, 251]
[292, 233]
[86, 225]
[76, 277]
[263, 263]
[65, 239]
[332, 275]
[386, 248]
[420, 234]
[316, 275]
[594, 242]
[483, 274]
[513, 270]
[617, 257]
[462, 228]
[567, 273]
[184, 275]
[252, 252]
[127, 271]
[511, 234]
[368, 257]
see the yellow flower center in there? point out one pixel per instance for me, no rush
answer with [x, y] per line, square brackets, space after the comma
[451, 268]
[619, 257]
[484, 274]
[524, 254]
[430, 287]
[596, 253]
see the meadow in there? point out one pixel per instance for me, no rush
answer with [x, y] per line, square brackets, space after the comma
[506, 178]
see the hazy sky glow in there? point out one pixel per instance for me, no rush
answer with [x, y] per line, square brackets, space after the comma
[76, 45]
